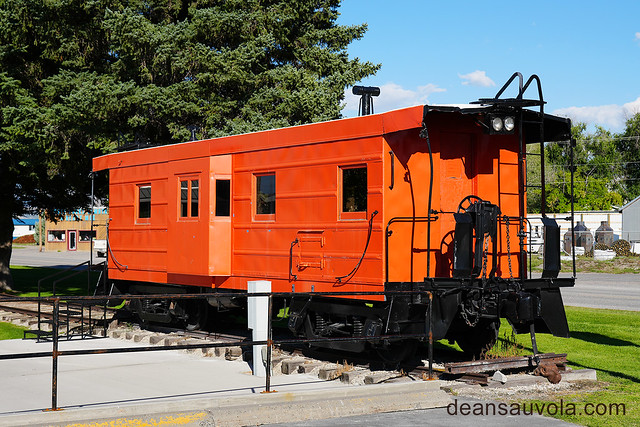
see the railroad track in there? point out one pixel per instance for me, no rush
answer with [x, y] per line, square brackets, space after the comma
[38, 318]
[198, 334]
[468, 371]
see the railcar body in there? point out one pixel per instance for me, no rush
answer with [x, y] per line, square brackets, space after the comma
[429, 198]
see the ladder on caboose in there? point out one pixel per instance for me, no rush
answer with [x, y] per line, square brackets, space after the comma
[519, 103]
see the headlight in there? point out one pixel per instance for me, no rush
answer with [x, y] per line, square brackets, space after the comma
[509, 124]
[496, 123]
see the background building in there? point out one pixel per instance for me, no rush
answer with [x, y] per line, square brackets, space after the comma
[73, 232]
[631, 223]
[24, 226]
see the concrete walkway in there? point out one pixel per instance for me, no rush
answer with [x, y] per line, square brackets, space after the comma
[129, 385]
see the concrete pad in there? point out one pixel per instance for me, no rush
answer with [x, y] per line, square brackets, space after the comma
[579, 375]
[279, 407]
[126, 378]
[110, 386]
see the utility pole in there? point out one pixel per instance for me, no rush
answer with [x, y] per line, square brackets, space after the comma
[40, 230]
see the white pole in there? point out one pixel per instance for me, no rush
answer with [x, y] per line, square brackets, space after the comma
[257, 314]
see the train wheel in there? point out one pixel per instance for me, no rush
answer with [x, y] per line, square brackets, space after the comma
[397, 352]
[477, 341]
[196, 312]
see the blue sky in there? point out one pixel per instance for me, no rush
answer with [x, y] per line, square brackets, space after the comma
[586, 53]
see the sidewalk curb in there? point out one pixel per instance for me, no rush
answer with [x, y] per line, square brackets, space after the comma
[260, 408]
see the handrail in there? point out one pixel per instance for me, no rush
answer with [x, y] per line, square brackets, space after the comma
[508, 83]
[52, 276]
[388, 233]
[55, 353]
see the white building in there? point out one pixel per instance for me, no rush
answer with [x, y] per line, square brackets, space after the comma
[24, 226]
[631, 223]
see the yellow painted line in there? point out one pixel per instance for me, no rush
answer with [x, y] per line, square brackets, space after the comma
[169, 420]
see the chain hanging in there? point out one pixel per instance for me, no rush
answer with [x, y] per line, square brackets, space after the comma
[465, 317]
[485, 251]
[506, 221]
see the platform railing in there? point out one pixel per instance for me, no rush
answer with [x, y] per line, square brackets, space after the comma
[56, 353]
[67, 314]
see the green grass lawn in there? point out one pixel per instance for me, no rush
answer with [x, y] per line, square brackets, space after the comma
[586, 264]
[609, 342]
[25, 281]
[605, 340]
[10, 332]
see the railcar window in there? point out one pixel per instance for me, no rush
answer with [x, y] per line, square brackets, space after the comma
[223, 197]
[194, 197]
[189, 198]
[266, 194]
[184, 198]
[144, 201]
[354, 189]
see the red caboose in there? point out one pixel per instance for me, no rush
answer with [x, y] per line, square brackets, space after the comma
[424, 198]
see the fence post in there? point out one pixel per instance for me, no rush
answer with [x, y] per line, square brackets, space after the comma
[430, 335]
[54, 373]
[257, 313]
[103, 276]
[269, 346]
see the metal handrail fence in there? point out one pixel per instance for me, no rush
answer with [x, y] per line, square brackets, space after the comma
[71, 272]
[55, 353]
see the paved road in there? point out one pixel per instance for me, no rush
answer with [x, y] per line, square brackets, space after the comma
[603, 290]
[443, 417]
[32, 257]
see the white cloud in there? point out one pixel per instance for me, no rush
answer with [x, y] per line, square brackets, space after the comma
[611, 117]
[392, 96]
[638, 36]
[477, 78]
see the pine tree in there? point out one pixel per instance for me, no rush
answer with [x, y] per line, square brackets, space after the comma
[79, 78]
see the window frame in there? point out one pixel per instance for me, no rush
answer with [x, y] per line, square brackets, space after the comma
[189, 180]
[227, 201]
[352, 215]
[51, 232]
[82, 233]
[257, 216]
[143, 219]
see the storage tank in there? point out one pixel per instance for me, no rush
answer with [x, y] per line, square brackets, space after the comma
[584, 238]
[604, 234]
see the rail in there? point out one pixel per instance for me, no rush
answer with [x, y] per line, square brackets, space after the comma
[66, 274]
[55, 353]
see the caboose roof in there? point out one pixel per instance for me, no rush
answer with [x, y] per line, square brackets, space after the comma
[555, 129]
[335, 130]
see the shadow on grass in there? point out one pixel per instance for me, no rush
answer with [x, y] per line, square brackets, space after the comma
[616, 374]
[25, 281]
[608, 371]
[601, 339]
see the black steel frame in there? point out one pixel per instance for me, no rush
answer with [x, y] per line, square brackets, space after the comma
[69, 312]
[55, 353]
